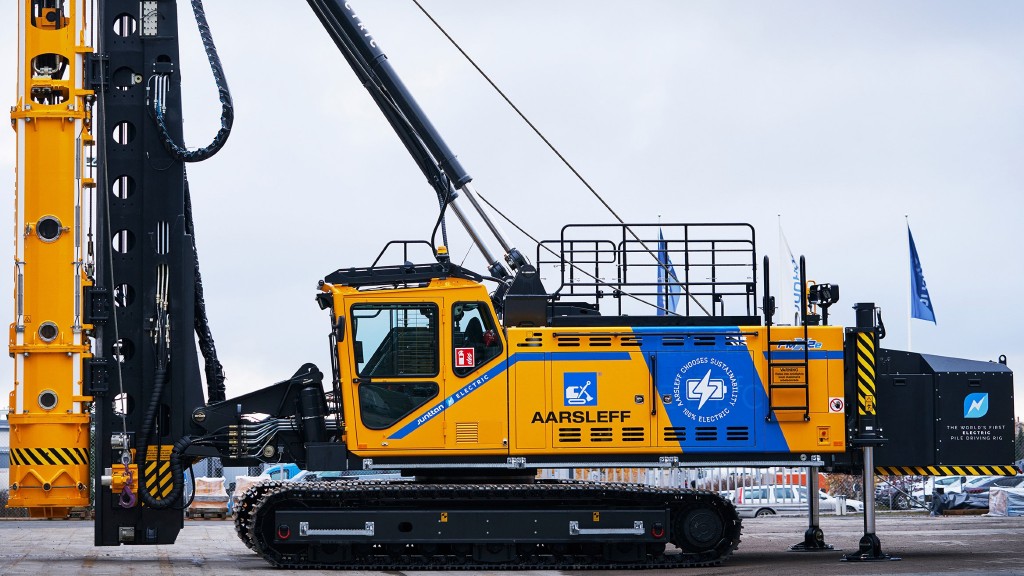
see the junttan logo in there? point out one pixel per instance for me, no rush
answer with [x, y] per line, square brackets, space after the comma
[976, 405]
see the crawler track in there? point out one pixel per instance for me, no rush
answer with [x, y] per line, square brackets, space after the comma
[703, 526]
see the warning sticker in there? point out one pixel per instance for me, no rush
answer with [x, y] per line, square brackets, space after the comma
[836, 405]
[788, 374]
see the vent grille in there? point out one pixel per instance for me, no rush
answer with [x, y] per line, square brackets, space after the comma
[706, 433]
[737, 433]
[601, 435]
[704, 340]
[568, 341]
[533, 341]
[675, 434]
[467, 433]
[633, 434]
[597, 341]
[570, 435]
[631, 341]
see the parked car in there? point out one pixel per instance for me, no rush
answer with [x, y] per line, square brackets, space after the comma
[975, 480]
[828, 503]
[948, 484]
[280, 472]
[757, 501]
[983, 486]
[976, 491]
[899, 494]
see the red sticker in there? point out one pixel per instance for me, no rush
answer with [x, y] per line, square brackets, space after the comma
[464, 358]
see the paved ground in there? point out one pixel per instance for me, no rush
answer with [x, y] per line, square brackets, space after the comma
[943, 545]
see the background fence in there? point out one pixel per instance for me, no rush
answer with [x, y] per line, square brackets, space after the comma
[892, 492]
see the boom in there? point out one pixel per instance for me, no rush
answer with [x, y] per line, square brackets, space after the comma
[430, 152]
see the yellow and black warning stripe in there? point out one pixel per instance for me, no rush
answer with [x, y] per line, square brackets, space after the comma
[946, 470]
[157, 472]
[865, 373]
[50, 456]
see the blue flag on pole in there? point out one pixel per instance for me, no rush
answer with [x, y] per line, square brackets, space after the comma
[668, 283]
[920, 302]
[789, 304]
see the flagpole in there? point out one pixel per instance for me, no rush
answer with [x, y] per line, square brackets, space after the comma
[778, 271]
[910, 294]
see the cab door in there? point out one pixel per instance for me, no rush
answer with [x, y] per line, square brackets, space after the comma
[396, 375]
[476, 385]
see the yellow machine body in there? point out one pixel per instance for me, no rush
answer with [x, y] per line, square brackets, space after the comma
[49, 426]
[418, 380]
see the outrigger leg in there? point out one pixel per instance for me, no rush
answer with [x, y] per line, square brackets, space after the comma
[814, 537]
[865, 338]
[870, 547]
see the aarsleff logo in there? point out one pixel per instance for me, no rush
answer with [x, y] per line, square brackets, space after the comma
[711, 384]
[580, 388]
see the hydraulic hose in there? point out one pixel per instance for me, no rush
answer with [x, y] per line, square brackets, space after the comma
[215, 390]
[227, 115]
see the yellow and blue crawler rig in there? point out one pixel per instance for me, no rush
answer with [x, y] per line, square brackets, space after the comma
[466, 383]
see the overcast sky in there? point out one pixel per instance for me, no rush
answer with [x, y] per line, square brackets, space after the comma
[842, 117]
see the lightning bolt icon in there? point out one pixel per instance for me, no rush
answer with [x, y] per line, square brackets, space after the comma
[976, 405]
[707, 389]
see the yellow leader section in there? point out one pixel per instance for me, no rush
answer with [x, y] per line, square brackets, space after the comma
[49, 428]
[428, 371]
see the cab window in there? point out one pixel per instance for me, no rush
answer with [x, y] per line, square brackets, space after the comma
[395, 340]
[475, 339]
[396, 349]
[383, 404]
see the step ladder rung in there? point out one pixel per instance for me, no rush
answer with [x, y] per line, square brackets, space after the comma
[787, 363]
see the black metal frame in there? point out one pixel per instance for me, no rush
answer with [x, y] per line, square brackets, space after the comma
[597, 261]
[158, 197]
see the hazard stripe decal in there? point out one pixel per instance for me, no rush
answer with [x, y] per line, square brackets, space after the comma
[865, 373]
[49, 457]
[962, 470]
[157, 471]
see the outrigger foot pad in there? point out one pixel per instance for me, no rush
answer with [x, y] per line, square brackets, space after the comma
[814, 541]
[870, 551]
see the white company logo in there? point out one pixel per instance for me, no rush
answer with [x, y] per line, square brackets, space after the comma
[705, 389]
[709, 382]
[580, 388]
